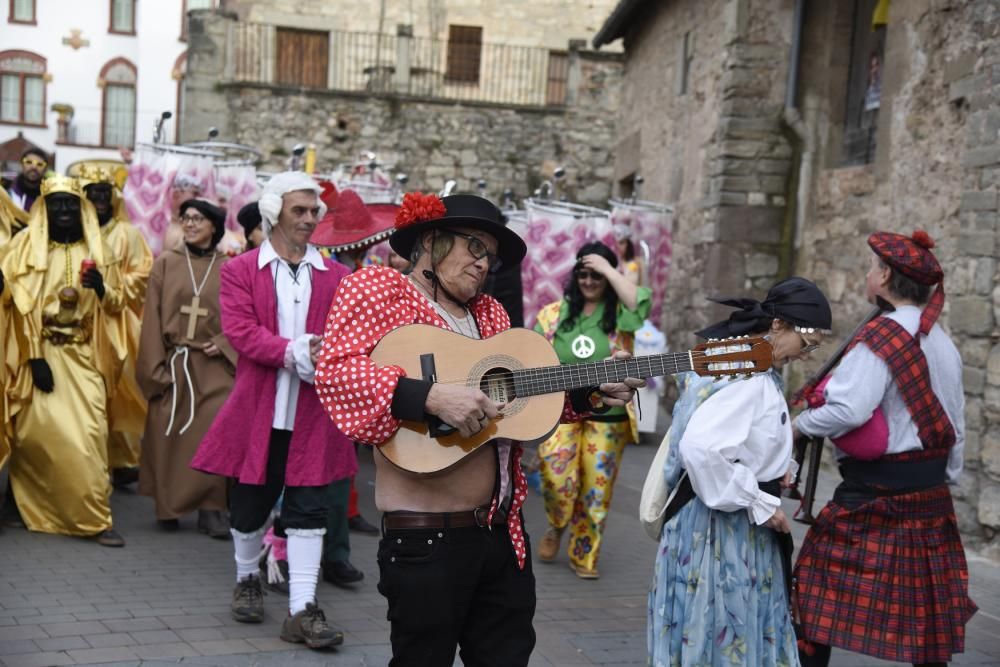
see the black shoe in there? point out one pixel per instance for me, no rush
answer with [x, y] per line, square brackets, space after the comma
[11, 517]
[359, 524]
[110, 538]
[122, 477]
[168, 525]
[214, 523]
[248, 601]
[341, 573]
[276, 585]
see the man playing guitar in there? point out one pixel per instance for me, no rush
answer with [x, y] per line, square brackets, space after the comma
[454, 560]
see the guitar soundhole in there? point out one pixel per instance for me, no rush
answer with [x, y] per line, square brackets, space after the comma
[498, 384]
[496, 380]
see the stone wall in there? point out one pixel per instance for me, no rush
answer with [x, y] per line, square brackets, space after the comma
[549, 23]
[430, 141]
[936, 167]
[712, 145]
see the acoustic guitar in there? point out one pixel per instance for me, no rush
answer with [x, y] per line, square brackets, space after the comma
[520, 369]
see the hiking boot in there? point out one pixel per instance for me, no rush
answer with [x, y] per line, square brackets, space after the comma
[214, 523]
[248, 601]
[548, 547]
[110, 538]
[309, 627]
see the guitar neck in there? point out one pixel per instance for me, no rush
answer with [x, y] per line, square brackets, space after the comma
[567, 377]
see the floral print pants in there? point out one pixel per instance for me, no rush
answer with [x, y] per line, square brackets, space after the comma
[579, 466]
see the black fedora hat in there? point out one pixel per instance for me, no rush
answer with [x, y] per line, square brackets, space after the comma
[469, 211]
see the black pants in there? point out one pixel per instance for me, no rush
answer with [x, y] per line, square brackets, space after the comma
[459, 587]
[303, 507]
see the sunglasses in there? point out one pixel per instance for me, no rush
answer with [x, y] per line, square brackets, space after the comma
[587, 274]
[807, 346]
[34, 162]
[479, 250]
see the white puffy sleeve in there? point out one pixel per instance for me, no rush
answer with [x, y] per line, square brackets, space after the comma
[712, 449]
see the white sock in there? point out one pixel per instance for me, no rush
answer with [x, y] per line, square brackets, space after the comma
[305, 549]
[247, 549]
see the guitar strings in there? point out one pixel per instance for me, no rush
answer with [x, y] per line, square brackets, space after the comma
[507, 375]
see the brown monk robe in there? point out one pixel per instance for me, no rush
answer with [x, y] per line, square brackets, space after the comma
[185, 369]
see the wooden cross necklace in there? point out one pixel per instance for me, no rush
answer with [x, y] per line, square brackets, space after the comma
[194, 311]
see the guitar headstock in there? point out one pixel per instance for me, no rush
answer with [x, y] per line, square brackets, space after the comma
[744, 355]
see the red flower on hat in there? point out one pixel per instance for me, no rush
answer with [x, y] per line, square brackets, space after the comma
[419, 207]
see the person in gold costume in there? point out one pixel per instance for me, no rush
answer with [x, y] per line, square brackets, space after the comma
[12, 219]
[129, 249]
[64, 344]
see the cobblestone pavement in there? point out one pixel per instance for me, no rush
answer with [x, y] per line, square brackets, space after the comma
[164, 598]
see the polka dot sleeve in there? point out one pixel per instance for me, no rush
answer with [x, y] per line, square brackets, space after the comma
[354, 391]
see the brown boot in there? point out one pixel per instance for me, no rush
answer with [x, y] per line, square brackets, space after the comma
[549, 546]
[309, 627]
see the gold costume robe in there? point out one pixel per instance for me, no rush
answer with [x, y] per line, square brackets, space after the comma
[163, 368]
[58, 462]
[12, 220]
[127, 413]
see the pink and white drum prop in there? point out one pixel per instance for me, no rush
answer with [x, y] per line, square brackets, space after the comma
[148, 191]
[235, 187]
[555, 231]
[650, 225]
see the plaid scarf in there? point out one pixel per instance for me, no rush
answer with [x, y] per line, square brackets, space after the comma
[901, 352]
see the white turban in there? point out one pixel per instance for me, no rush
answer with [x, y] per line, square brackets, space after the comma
[277, 187]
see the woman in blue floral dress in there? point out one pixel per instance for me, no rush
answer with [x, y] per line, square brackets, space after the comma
[719, 593]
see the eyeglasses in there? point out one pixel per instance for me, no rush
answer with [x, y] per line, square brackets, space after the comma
[193, 219]
[586, 274]
[34, 162]
[479, 250]
[807, 347]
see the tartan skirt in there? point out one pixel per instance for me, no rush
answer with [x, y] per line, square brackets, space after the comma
[887, 579]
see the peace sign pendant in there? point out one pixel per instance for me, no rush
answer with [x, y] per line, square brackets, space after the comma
[583, 347]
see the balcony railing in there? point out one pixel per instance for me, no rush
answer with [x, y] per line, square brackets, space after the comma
[399, 64]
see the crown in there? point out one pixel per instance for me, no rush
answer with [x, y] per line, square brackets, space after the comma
[60, 183]
[90, 174]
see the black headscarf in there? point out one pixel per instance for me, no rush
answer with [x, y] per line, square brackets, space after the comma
[796, 300]
[249, 218]
[215, 214]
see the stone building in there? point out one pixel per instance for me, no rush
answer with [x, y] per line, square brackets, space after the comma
[504, 113]
[785, 132]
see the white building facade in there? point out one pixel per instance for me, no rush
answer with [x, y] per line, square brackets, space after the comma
[83, 78]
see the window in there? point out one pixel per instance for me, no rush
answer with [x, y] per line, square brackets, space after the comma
[555, 90]
[118, 117]
[465, 47]
[22, 11]
[864, 85]
[302, 58]
[188, 5]
[22, 88]
[122, 17]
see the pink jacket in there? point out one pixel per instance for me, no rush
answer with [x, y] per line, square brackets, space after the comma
[236, 445]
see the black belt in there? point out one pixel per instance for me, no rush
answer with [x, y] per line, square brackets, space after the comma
[477, 517]
[896, 476]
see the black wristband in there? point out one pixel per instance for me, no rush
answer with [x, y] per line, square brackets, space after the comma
[410, 398]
